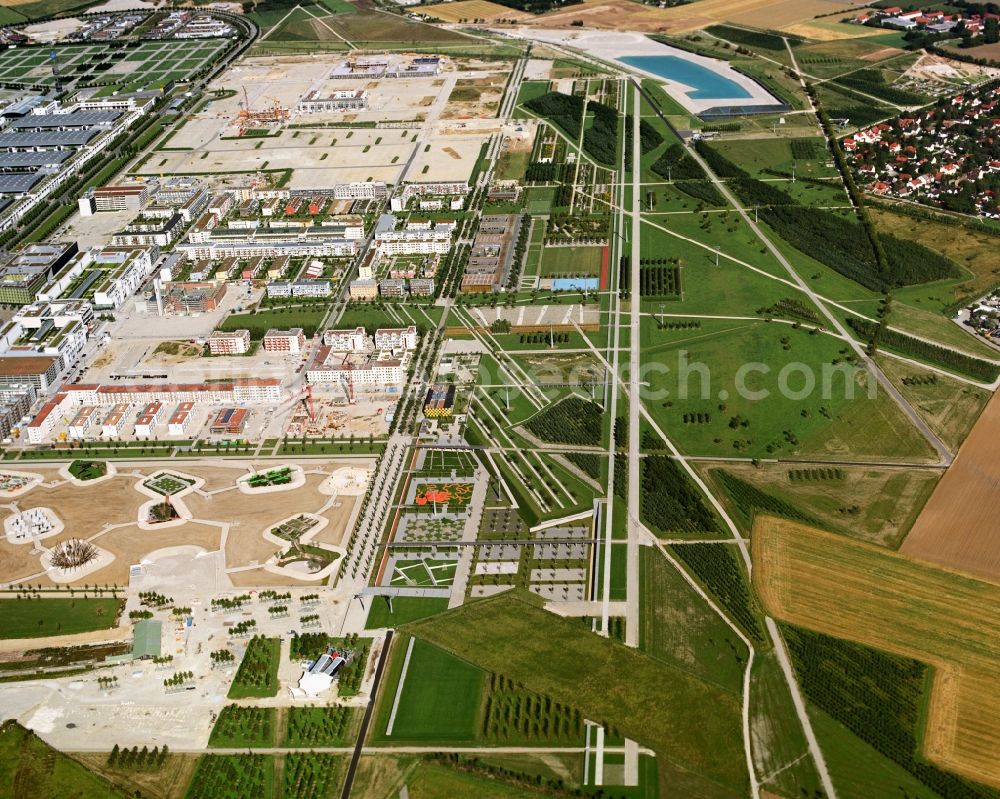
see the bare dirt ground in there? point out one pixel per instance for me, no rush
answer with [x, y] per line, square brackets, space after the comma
[87, 511]
[957, 527]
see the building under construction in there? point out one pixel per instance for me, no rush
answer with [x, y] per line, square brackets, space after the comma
[270, 115]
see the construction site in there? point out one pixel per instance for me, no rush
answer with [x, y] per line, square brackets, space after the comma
[259, 121]
[337, 412]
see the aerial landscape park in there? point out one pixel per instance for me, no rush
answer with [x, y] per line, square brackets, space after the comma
[417, 400]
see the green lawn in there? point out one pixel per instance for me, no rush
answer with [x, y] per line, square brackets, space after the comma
[441, 699]
[29, 767]
[259, 323]
[695, 730]
[678, 627]
[570, 261]
[747, 408]
[35, 618]
[779, 742]
[404, 609]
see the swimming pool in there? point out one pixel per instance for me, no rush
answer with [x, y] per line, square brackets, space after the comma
[706, 84]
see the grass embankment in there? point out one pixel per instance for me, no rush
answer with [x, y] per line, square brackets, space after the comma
[695, 731]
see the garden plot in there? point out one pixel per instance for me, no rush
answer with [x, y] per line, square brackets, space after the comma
[420, 573]
[423, 529]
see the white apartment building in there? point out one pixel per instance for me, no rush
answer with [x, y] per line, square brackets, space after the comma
[346, 340]
[366, 372]
[180, 419]
[146, 424]
[115, 421]
[126, 272]
[236, 342]
[396, 338]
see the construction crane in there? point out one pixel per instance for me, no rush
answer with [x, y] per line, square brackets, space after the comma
[275, 113]
[306, 398]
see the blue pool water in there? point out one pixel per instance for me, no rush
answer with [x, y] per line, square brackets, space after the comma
[707, 85]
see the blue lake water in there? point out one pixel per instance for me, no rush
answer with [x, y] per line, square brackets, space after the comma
[707, 85]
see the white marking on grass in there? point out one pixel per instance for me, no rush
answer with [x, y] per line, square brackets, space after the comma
[399, 688]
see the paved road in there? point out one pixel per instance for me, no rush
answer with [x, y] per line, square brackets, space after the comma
[367, 720]
[635, 352]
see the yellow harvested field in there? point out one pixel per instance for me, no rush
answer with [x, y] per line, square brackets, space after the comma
[627, 15]
[468, 10]
[831, 29]
[863, 593]
[957, 527]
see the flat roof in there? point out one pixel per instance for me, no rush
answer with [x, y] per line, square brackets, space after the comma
[147, 635]
[26, 365]
[73, 119]
[30, 159]
[20, 182]
[53, 138]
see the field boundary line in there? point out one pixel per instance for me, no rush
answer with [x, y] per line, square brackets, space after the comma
[399, 688]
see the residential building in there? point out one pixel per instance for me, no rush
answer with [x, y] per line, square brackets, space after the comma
[293, 340]
[81, 423]
[396, 338]
[355, 340]
[145, 425]
[180, 419]
[235, 342]
[363, 289]
[376, 371]
[115, 421]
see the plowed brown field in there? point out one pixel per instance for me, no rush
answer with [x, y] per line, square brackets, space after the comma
[958, 526]
[879, 598]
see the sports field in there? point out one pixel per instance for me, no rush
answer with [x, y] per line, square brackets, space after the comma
[867, 594]
[440, 700]
[558, 261]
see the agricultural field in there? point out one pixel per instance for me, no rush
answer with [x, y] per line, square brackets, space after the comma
[953, 530]
[40, 617]
[838, 587]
